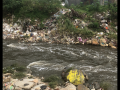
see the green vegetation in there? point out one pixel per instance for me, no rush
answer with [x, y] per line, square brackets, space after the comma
[19, 75]
[68, 27]
[20, 69]
[14, 67]
[90, 9]
[31, 8]
[8, 70]
[95, 26]
[53, 80]
[105, 85]
[112, 35]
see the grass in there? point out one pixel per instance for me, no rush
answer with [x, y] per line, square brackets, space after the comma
[19, 75]
[105, 85]
[53, 80]
[8, 70]
[112, 35]
[20, 69]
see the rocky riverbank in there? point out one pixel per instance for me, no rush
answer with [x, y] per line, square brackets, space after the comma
[30, 82]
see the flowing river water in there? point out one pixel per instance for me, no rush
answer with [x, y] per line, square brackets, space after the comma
[44, 59]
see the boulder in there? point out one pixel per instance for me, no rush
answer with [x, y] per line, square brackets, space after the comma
[94, 41]
[28, 85]
[69, 87]
[82, 87]
[25, 84]
[39, 87]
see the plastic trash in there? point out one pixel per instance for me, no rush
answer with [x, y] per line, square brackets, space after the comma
[101, 33]
[11, 87]
[76, 77]
[31, 34]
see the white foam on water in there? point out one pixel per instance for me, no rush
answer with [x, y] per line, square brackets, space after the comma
[16, 46]
[38, 48]
[44, 65]
[35, 63]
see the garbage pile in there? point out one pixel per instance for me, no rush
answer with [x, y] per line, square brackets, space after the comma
[48, 33]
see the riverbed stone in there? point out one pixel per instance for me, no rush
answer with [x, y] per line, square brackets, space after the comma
[37, 87]
[28, 85]
[69, 87]
[22, 83]
[82, 87]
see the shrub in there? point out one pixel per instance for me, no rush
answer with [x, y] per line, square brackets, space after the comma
[52, 84]
[31, 8]
[19, 75]
[86, 32]
[20, 68]
[53, 80]
[112, 36]
[105, 85]
[94, 26]
[8, 70]
[11, 6]
[13, 65]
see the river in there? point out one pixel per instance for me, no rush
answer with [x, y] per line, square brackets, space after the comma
[44, 59]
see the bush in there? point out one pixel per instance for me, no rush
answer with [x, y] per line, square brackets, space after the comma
[105, 85]
[11, 68]
[11, 6]
[19, 75]
[112, 36]
[86, 33]
[53, 80]
[52, 84]
[94, 26]
[31, 8]
[20, 68]
[8, 70]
